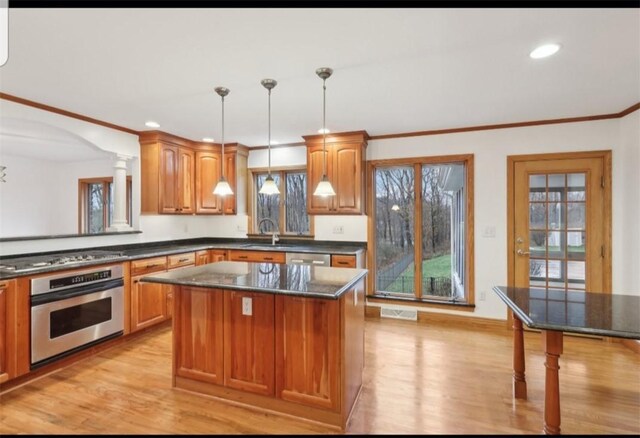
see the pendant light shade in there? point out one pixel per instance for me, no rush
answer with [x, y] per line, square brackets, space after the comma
[222, 188]
[269, 187]
[324, 188]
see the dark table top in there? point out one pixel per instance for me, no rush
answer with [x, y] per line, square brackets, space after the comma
[590, 313]
[295, 279]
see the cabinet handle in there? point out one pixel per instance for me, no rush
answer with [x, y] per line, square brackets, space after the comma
[183, 260]
[153, 265]
[3, 285]
[268, 258]
[136, 281]
[242, 257]
[343, 263]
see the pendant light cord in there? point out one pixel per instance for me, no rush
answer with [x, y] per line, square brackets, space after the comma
[324, 128]
[269, 132]
[222, 138]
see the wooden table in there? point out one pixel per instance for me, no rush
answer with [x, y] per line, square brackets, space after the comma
[557, 311]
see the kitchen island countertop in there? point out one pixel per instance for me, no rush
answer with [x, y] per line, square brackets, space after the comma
[294, 279]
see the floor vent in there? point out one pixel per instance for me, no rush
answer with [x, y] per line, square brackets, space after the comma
[390, 312]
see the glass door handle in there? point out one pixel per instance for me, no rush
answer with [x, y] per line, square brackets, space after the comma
[522, 253]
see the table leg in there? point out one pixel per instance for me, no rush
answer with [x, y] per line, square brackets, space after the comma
[552, 344]
[519, 381]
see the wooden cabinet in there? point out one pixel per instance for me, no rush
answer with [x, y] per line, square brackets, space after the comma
[345, 169]
[249, 342]
[203, 257]
[4, 329]
[181, 260]
[343, 261]
[148, 300]
[14, 329]
[207, 175]
[216, 255]
[176, 180]
[198, 334]
[257, 256]
[307, 351]
[178, 175]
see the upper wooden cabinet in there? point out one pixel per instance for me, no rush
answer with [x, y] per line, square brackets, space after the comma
[178, 176]
[345, 156]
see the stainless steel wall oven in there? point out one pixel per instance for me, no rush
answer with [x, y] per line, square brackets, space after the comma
[73, 311]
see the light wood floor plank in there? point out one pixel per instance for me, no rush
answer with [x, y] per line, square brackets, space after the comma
[418, 379]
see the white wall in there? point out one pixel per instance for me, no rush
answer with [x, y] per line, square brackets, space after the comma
[25, 204]
[627, 267]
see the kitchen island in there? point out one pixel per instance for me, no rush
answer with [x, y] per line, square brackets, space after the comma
[286, 338]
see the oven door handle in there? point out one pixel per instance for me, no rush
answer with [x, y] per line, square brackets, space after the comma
[50, 297]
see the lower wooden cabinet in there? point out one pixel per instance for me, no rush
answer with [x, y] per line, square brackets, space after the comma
[4, 328]
[148, 304]
[307, 351]
[14, 329]
[197, 333]
[203, 257]
[216, 255]
[249, 342]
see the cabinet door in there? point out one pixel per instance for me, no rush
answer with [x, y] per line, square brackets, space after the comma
[169, 294]
[168, 176]
[4, 354]
[318, 204]
[249, 342]
[217, 256]
[203, 257]
[343, 261]
[148, 304]
[307, 351]
[207, 175]
[198, 340]
[186, 180]
[347, 178]
[229, 202]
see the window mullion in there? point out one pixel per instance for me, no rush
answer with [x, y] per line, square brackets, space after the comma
[282, 225]
[417, 247]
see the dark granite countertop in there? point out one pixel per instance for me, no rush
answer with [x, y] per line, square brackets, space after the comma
[156, 249]
[592, 313]
[300, 280]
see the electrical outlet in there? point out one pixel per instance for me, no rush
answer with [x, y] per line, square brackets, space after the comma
[489, 232]
[483, 295]
[246, 306]
[338, 229]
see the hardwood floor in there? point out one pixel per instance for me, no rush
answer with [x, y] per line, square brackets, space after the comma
[419, 378]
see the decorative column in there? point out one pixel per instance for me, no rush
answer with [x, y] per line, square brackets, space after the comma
[119, 220]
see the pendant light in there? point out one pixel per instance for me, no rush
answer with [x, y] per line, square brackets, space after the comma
[222, 188]
[324, 188]
[269, 187]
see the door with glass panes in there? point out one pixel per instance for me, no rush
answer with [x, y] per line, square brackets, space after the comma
[561, 226]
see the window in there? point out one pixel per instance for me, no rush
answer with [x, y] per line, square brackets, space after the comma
[96, 204]
[288, 210]
[420, 215]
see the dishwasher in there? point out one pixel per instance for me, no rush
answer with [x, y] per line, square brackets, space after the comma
[302, 258]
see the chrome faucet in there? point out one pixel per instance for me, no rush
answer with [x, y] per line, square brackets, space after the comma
[274, 234]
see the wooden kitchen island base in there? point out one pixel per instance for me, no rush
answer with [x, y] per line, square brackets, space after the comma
[298, 355]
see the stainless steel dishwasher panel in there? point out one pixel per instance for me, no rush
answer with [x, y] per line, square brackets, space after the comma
[308, 259]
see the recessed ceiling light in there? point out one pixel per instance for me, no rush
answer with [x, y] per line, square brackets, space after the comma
[324, 131]
[152, 124]
[544, 51]
[207, 140]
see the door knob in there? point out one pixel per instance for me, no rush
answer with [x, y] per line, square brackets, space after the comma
[522, 253]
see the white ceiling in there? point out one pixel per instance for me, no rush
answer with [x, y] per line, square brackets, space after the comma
[395, 70]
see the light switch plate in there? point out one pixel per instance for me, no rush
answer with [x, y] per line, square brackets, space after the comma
[246, 306]
[338, 229]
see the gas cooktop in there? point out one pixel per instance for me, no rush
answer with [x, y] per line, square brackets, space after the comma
[24, 264]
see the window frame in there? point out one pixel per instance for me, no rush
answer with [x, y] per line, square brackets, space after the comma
[417, 162]
[252, 200]
[83, 187]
